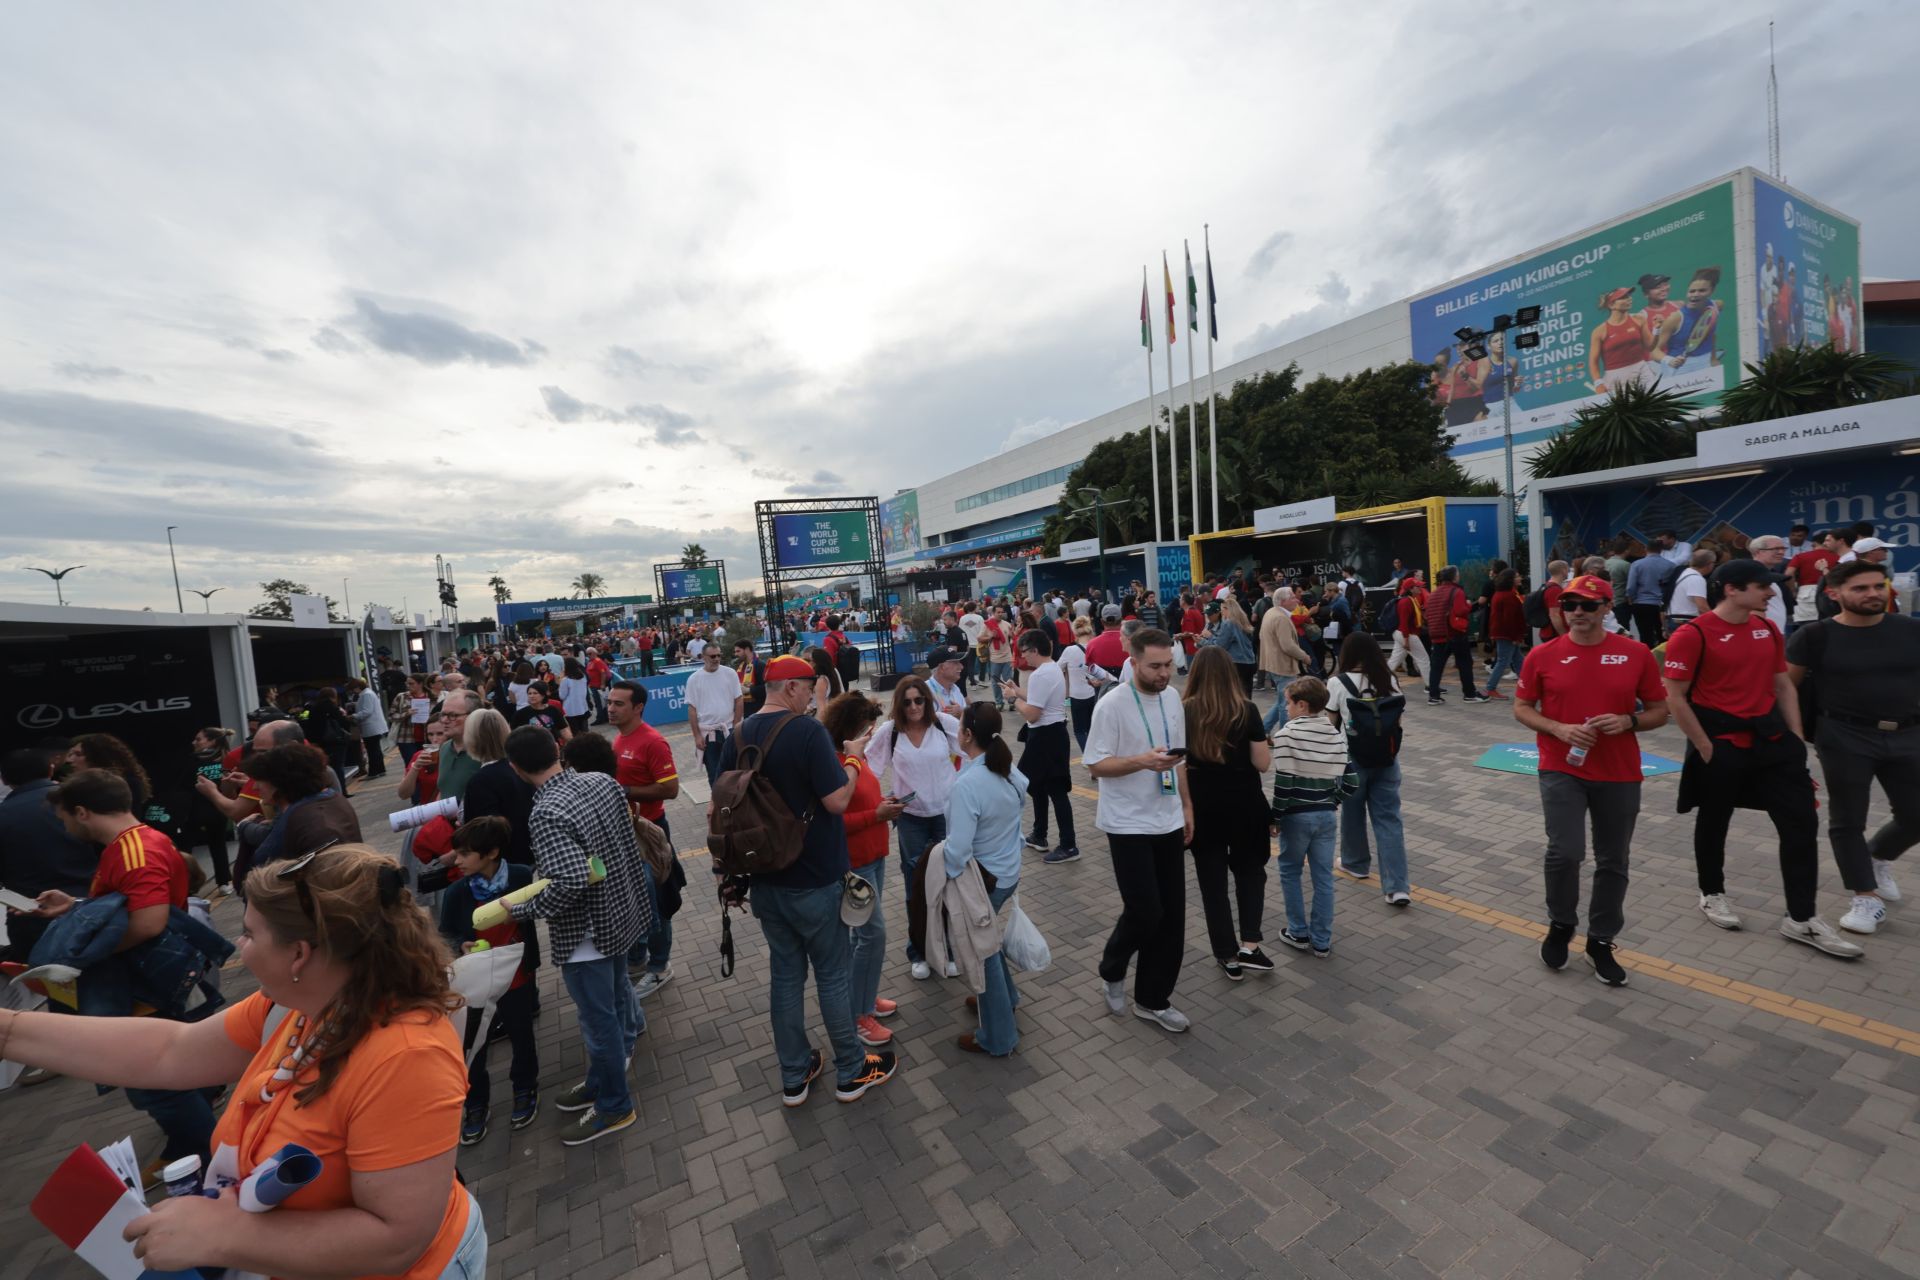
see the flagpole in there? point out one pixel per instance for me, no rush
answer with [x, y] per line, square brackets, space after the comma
[1193, 415]
[1213, 437]
[1153, 440]
[1173, 436]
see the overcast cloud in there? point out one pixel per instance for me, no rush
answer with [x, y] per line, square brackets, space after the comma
[337, 288]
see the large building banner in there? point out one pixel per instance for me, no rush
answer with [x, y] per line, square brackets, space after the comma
[1808, 265]
[900, 526]
[1646, 299]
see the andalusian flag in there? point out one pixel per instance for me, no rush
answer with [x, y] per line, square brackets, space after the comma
[1146, 314]
[1173, 331]
[1193, 292]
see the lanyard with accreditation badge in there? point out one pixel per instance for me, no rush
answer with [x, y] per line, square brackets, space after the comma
[1167, 785]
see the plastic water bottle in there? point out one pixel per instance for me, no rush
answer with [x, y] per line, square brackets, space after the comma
[1576, 755]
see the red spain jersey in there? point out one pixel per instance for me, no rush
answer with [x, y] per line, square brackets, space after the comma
[142, 864]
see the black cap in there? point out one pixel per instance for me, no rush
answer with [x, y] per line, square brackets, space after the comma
[1742, 573]
[944, 653]
[1650, 280]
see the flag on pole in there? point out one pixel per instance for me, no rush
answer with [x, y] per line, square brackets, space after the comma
[1193, 293]
[1213, 317]
[1173, 330]
[1146, 315]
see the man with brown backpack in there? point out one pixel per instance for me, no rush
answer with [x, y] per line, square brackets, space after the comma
[779, 844]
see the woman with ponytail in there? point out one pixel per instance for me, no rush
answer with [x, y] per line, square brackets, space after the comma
[983, 826]
[346, 1050]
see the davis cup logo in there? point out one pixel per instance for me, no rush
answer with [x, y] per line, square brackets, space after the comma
[1786, 213]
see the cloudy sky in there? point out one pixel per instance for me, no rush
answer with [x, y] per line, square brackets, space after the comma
[337, 288]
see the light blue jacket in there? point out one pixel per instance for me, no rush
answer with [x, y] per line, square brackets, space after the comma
[983, 822]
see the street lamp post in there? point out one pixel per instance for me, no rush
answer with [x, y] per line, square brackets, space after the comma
[1097, 506]
[179, 601]
[1474, 347]
[57, 574]
[207, 596]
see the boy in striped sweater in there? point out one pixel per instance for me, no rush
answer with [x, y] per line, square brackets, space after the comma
[1311, 776]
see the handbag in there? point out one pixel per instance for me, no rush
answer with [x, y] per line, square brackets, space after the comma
[1021, 943]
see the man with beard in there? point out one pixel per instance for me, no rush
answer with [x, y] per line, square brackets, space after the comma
[1865, 697]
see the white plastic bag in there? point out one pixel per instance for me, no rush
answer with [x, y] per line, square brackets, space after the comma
[1022, 944]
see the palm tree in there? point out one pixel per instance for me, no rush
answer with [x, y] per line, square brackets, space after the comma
[500, 592]
[693, 556]
[589, 585]
[1634, 425]
[1795, 380]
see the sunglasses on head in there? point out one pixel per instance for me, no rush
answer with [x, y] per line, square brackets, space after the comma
[1580, 604]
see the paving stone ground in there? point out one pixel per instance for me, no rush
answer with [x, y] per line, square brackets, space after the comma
[1428, 1102]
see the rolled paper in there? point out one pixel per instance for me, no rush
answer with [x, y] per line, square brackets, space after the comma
[277, 1177]
[421, 814]
[491, 914]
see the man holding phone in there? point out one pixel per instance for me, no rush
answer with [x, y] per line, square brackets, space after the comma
[1147, 814]
[1047, 761]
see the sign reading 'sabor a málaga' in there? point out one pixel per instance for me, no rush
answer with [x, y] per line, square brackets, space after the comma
[690, 584]
[1809, 434]
[809, 539]
[1651, 296]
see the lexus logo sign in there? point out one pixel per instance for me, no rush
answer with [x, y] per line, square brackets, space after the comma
[44, 715]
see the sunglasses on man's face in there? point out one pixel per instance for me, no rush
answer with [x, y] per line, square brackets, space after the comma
[1579, 604]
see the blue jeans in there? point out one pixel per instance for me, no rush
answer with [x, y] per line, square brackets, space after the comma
[998, 1034]
[1279, 711]
[1379, 799]
[469, 1260]
[609, 1024]
[996, 672]
[802, 926]
[654, 948]
[917, 835]
[715, 745]
[869, 944]
[1308, 838]
[1506, 660]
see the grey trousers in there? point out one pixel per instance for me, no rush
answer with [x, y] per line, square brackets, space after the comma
[1569, 803]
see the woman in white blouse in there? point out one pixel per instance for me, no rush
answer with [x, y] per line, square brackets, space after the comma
[1083, 679]
[922, 747]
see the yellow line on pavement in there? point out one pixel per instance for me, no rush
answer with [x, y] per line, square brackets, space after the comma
[1704, 981]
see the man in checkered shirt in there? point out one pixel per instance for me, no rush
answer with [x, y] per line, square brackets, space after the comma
[591, 923]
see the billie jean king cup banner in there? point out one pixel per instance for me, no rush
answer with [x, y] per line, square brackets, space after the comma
[1808, 266]
[809, 538]
[1650, 297]
[1524, 758]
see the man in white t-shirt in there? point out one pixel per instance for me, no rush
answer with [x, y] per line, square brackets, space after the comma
[696, 647]
[1689, 599]
[973, 627]
[1670, 547]
[716, 702]
[1148, 817]
[1046, 762]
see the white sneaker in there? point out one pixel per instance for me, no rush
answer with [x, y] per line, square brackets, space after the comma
[651, 982]
[953, 970]
[921, 970]
[1819, 934]
[1866, 914]
[1170, 1018]
[1116, 994]
[1883, 880]
[1716, 908]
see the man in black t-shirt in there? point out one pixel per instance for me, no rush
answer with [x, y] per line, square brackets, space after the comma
[799, 907]
[1865, 697]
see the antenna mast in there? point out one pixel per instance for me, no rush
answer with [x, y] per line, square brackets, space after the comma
[1773, 110]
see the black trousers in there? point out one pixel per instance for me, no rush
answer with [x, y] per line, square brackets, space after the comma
[1853, 758]
[515, 1016]
[1152, 877]
[1462, 654]
[1776, 773]
[376, 757]
[1081, 709]
[1646, 620]
[1243, 854]
[1058, 791]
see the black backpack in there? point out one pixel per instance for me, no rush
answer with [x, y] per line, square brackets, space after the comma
[1535, 608]
[846, 659]
[1373, 725]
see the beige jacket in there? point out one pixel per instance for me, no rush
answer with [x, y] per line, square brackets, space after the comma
[976, 929]
[1280, 650]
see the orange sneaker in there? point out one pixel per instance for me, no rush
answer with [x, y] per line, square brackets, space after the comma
[871, 1033]
[885, 1008]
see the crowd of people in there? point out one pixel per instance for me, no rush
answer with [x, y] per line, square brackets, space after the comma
[817, 785]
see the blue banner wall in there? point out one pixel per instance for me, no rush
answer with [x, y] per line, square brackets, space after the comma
[1173, 572]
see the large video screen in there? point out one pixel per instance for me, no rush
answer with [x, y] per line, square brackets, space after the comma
[812, 539]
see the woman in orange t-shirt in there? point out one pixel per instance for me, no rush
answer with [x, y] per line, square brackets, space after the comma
[346, 1050]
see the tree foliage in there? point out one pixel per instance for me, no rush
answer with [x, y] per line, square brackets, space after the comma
[1634, 424]
[277, 605]
[1368, 439]
[589, 585]
[693, 556]
[1795, 380]
[501, 592]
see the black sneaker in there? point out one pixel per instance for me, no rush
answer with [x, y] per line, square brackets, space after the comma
[473, 1127]
[575, 1099]
[1553, 951]
[1475, 697]
[1063, 854]
[794, 1094]
[1231, 967]
[525, 1107]
[1255, 961]
[1605, 967]
[877, 1069]
[1298, 941]
[1435, 700]
[1038, 846]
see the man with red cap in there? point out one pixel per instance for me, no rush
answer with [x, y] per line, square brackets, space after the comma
[1586, 695]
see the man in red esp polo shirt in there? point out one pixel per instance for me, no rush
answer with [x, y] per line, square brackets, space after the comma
[644, 765]
[1588, 694]
[1726, 676]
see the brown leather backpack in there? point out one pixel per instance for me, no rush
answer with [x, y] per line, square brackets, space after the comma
[753, 831]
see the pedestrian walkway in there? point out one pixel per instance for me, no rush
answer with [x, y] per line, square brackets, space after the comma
[1429, 1102]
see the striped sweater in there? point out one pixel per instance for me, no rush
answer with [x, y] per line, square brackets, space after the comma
[1311, 772]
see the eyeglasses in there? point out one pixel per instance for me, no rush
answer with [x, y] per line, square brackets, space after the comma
[1579, 604]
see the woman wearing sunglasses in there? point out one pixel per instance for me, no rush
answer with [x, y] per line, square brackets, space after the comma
[346, 1050]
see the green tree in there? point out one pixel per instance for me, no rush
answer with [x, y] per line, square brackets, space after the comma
[1634, 425]
[693, 556]
[501, 592]
[276, 604]
[1795, 380]
[589, 585]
